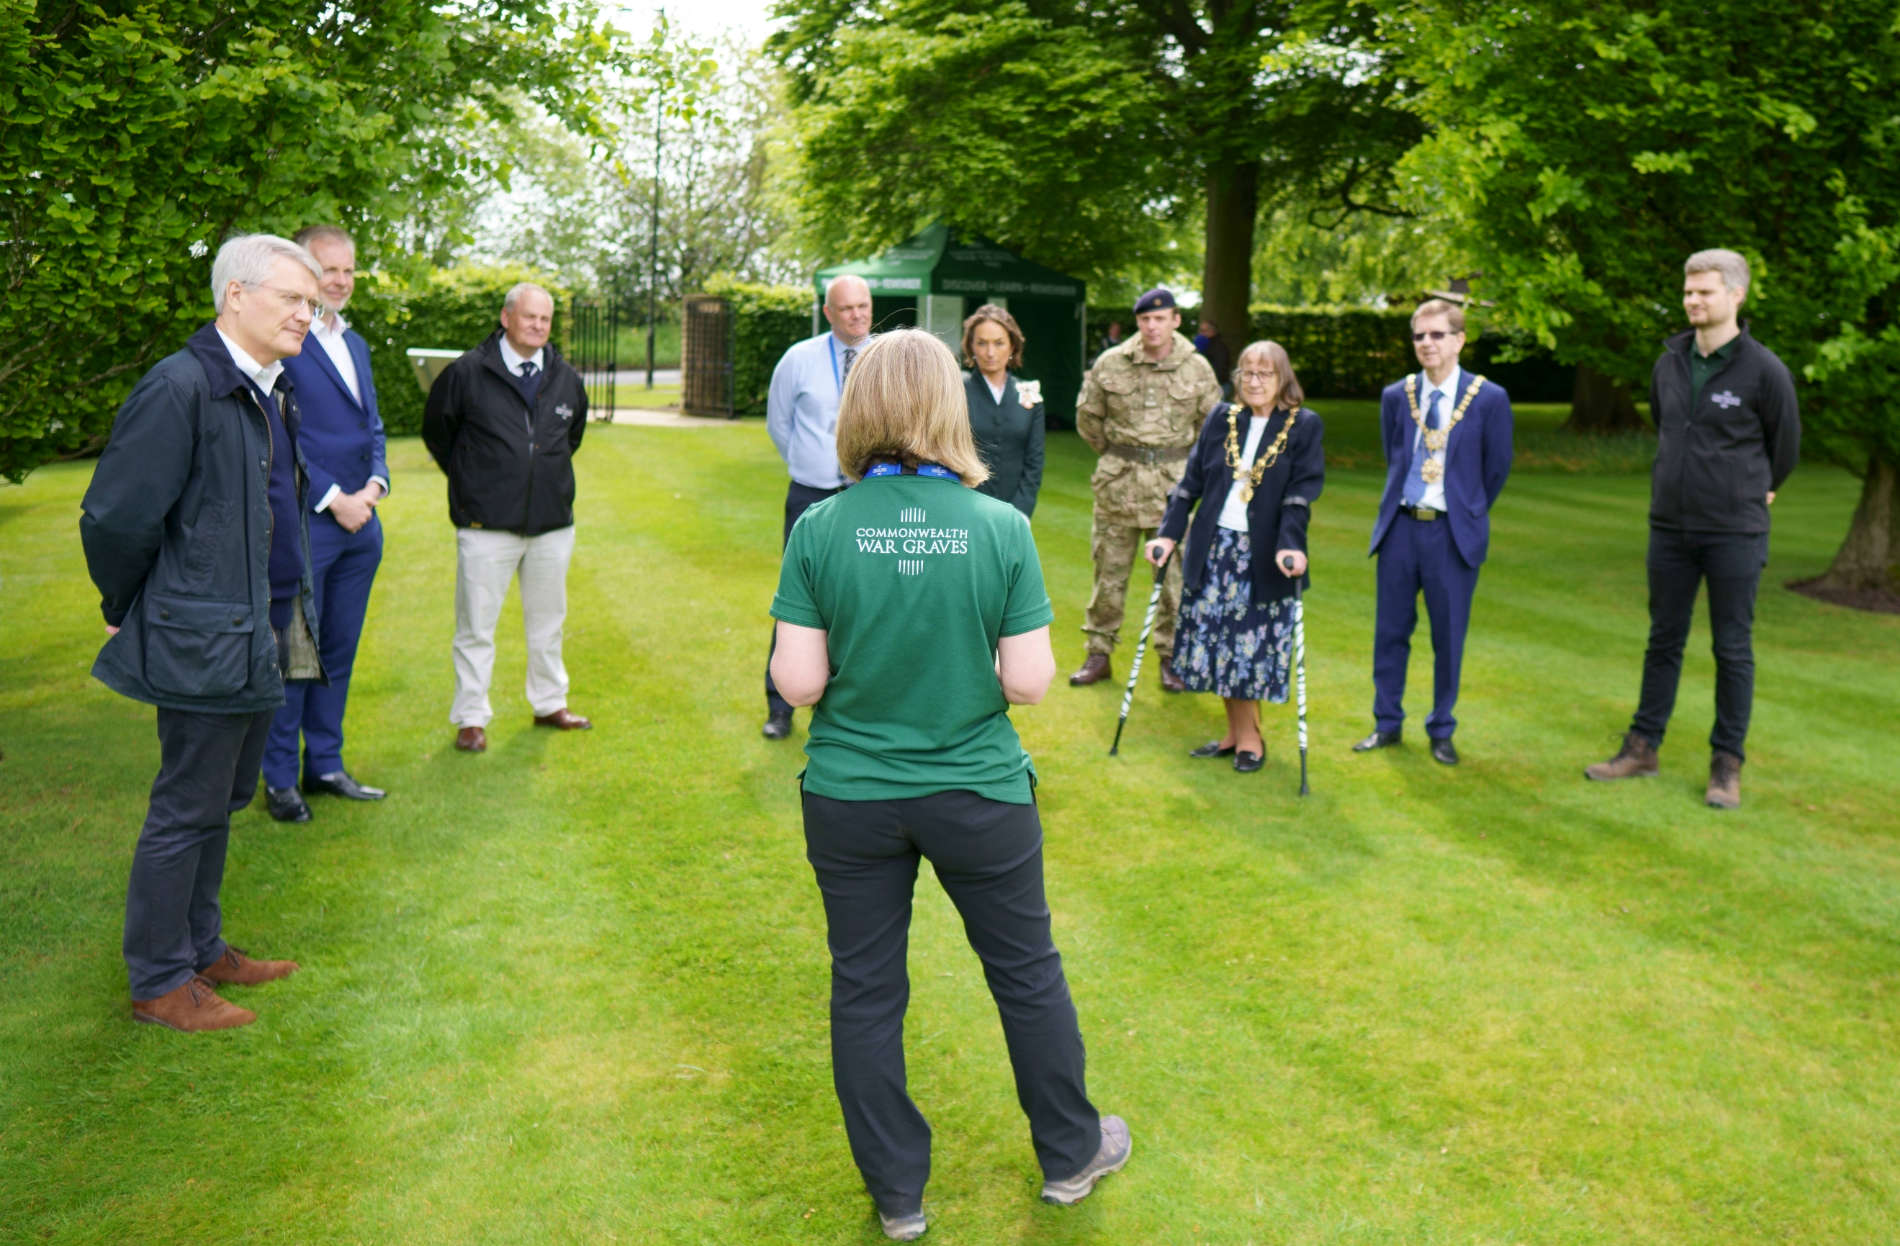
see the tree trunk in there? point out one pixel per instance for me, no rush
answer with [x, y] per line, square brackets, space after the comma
[1868, 562]
[1233, 201]
[1600, 403]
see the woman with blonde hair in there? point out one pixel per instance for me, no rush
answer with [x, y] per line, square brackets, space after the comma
[1006, 415]
[911, 615]
[1254, 473]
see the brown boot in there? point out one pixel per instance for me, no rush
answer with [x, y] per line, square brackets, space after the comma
[1094, 671]
[1170, 682]
[1725, 781]
[191, 1008]
[234, 968]
[1635, 760]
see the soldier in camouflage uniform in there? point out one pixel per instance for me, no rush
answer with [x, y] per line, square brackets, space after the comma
[1141, 409]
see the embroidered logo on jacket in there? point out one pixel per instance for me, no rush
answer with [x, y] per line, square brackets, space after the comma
[1725, 400]
[564, 411]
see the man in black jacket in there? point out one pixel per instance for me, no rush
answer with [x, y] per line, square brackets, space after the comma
[1728, 435]
[194, 534]
[503, 422]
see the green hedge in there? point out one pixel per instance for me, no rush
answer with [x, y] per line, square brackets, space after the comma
[766, 321]
[450, 309]
[1355, 352]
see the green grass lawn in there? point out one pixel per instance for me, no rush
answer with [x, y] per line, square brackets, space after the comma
[573, 990]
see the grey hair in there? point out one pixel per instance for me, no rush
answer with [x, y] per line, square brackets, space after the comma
[1731, 264]
[248, 258]
[520, 288]
[326, 233]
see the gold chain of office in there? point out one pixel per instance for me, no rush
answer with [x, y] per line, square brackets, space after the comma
[1435, 438]
[1250, 480]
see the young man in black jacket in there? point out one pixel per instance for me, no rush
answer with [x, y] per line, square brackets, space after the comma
[503, 422]
[1728, 435]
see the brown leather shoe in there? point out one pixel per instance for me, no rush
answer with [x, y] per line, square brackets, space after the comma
[1725, 781]
[1635, 760]
[472, 740]
[1170, 682]
[1094, 671]
[191, 1008]
[234, 968]
[563, 719]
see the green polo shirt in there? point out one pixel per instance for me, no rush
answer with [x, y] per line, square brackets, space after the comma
[913, 580]
[1702, 367]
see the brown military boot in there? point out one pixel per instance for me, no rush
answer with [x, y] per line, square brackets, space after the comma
[1725, 781]
[1094, 671]
[1170, 682]
[234, 968]
[191, 1008]
[1635, 760]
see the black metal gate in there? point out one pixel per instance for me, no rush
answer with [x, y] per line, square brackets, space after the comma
[593, 328]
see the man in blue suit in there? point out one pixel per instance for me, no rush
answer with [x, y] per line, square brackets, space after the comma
[1447, 437]
[342, 442]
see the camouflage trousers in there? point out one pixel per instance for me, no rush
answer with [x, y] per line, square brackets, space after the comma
[1116, 548]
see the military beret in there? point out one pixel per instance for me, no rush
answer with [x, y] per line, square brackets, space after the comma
[1158, 299]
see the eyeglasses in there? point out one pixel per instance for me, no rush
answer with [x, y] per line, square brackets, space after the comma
[289, 298]
[1255, 377]
[1436, 335]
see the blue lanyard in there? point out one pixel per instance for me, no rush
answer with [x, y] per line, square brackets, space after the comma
[922, 469]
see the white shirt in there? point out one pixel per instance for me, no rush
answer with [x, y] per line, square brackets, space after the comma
[996, 391]
[1233, 512]
[263, 374]
[1434, 497]
[339, 352]
[513, 359]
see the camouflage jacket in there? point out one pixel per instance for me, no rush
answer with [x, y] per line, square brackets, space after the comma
[1142, 417]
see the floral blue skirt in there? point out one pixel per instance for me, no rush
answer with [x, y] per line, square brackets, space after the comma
[1226, 644]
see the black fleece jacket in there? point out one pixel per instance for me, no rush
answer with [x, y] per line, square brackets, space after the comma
[1717, 459]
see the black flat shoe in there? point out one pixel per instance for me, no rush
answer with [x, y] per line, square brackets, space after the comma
[1378, 739]
[778, 725]
[339, 783]
[1443, 753]
[1247, 763]
[1213, 748]
[286, 804]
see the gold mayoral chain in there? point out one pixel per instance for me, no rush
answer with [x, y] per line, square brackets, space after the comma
[1250, 480]
[1435, 438]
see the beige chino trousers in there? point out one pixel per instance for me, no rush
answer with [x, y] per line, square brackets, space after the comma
[485, 563]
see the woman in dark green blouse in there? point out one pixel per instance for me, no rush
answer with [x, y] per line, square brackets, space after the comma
[1005, 413]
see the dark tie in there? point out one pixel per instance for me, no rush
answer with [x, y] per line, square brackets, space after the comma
[1421, 453]
[527, 382]
[850, 353]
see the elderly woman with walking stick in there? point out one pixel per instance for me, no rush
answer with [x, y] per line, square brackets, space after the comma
[1250, 484]
[912, 614]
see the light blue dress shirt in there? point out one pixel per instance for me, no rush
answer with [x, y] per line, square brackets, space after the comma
[801, 410]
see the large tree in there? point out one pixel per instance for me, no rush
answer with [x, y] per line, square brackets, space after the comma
[1584, 153]
[136, 136]
[1064, 130]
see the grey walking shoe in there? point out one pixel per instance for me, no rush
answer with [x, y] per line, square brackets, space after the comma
[903, 1228]
[1725, 781]
[1635, 760]
[1109, 1157]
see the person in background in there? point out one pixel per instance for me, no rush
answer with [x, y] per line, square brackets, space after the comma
[1207, 342]
[910, 762]
[1005, 412]
[1251, 482]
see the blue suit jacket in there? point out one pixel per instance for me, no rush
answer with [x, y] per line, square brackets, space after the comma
[341, 439]
[1477, 461]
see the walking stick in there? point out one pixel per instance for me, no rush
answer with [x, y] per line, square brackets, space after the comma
[1299, 664]
[1141, 645]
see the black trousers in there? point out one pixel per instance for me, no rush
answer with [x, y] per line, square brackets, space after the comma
[988, 856]
[1678, 563]
[798, 499]
[207, 770]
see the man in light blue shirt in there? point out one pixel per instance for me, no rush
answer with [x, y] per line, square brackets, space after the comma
[801, 414]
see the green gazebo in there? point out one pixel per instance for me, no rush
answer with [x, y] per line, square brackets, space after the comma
[934, 280]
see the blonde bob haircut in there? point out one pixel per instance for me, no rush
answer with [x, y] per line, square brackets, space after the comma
[1273, 355]
[904, 403]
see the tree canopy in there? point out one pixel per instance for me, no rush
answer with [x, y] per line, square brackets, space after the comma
[137, 136]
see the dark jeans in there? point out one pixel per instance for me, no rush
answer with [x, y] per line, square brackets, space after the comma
[1678, 563]
[988, 856]
[798, 499]
[207, 770]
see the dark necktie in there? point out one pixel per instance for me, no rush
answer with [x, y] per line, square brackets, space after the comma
[1421, 455]
[850, 353]
[528, 382]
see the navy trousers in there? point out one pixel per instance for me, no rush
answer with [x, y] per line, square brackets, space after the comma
[798, 499]
[342, 569]
[1420, 556]
[207, 770]
[1678, 563]
[988, 856]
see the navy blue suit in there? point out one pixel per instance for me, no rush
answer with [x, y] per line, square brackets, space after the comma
[343, 445]
[1439, 557]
